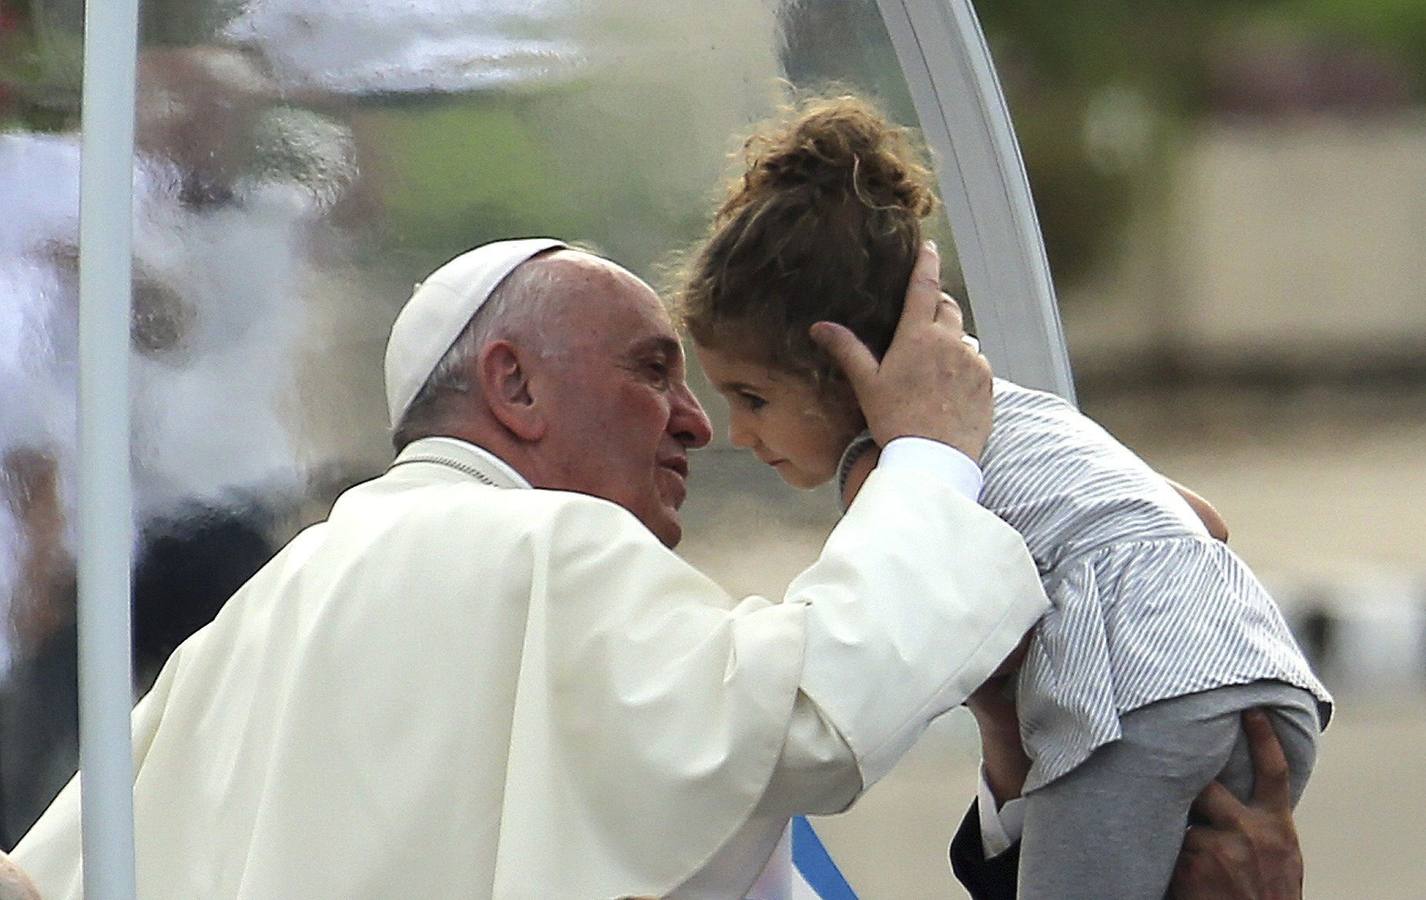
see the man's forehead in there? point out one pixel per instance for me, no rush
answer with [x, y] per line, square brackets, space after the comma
[581, 266]
[612, 303]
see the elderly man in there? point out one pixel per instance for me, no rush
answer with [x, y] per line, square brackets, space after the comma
[458, 685]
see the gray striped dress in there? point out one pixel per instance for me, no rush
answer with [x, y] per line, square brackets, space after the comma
[1145, 604]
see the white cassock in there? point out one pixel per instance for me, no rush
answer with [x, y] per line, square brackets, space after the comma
[453, 688]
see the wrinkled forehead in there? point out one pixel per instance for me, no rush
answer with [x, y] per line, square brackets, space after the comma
[603, 304]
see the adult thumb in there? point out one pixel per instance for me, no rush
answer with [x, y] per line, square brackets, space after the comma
[846, 349]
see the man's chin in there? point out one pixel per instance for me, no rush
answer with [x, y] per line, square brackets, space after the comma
[666, 525]
[669, 534]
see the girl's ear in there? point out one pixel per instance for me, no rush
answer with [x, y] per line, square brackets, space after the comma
[504, 376]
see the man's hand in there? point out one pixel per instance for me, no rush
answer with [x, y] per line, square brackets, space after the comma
[1246, 852]
[929, 384]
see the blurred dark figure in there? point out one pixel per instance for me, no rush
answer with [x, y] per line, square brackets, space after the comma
[187, 567]
[1316, 632]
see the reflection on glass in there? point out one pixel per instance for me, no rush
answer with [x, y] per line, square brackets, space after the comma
[403, 47]
[299, 165]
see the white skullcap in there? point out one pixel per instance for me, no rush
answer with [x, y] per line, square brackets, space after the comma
[440, 308]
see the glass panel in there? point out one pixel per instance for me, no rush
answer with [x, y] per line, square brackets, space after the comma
[300, 165]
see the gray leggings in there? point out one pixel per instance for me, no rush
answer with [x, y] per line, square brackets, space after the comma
[1112, 828]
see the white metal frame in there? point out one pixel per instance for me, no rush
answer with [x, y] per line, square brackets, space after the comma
[964, 119]
[105, 493]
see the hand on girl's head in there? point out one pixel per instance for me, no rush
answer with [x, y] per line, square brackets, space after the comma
[929, 383]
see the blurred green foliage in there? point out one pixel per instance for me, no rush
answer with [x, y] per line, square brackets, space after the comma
[40, 70]
[436, 156]
[1057, 61]
[1397, 27]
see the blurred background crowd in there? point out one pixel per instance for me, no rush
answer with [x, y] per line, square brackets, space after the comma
[1232, 196]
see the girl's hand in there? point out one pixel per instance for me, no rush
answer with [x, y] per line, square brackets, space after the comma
[1001, 751]
[1214, 522]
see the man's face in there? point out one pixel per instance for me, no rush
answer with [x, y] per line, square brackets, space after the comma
[622, 417]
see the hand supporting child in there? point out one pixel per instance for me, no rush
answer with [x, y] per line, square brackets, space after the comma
[1247, 850]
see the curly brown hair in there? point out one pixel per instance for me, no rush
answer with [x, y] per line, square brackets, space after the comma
[823, 224]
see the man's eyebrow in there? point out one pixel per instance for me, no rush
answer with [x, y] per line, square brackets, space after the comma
[665, 345]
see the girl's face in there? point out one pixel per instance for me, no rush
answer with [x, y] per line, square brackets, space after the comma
[782, 417]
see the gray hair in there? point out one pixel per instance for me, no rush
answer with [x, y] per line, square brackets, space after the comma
[516, 305]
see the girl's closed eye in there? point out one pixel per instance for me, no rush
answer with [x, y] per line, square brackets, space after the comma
[750, 401]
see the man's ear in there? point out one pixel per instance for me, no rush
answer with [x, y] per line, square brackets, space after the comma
[504, 376]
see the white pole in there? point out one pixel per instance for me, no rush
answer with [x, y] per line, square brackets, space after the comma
[965, 121]
[105, 517]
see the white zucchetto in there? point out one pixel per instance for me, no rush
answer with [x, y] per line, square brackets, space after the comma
[440, 308]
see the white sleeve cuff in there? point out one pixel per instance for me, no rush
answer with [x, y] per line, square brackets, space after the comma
[937, 459]
[999, 829]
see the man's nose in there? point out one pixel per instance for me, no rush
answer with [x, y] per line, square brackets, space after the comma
[687, 420]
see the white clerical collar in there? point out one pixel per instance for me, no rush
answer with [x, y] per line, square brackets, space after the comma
[465, 456]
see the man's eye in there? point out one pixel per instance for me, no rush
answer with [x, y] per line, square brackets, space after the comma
[752, 401]
[659, 370]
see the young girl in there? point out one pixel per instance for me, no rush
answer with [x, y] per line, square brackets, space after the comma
[1130, 692]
